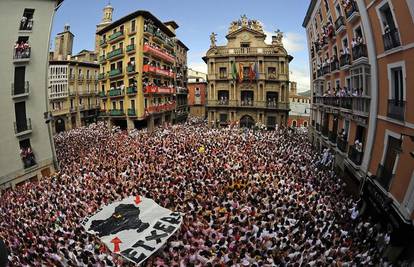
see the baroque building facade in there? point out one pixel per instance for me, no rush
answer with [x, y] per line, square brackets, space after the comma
[248, 80]
[361, 55]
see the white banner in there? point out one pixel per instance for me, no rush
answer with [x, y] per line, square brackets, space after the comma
[135, 227]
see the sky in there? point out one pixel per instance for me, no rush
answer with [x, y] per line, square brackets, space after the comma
[197, 19]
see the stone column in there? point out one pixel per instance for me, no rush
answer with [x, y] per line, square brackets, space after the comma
[130, 124]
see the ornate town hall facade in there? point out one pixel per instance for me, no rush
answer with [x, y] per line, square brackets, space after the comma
[248, 80]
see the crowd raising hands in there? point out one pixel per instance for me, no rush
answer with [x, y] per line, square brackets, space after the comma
[250, 198]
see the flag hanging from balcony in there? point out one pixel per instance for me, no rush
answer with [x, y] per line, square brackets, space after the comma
[241, 76]
[252, 74]
[234, 71]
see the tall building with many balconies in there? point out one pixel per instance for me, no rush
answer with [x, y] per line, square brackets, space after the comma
[361, 54]
[181, 70]
[73, 85]
[137, 71]
[27, 146]
[248, 80]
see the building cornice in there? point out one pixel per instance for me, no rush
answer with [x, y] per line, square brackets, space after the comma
[133, 15]
[309, 13]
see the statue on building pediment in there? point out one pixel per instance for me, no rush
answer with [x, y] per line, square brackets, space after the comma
[277, 39]
[244, 21]
[233, 26]
[213, 39]
[256, 25]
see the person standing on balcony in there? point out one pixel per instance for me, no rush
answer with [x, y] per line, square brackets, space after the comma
[30, 24]
[353, 42]
[23, 23]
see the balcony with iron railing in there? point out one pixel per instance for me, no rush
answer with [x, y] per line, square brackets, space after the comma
[396, 109]
[361, 105]
[359, 52]
[102, 59]
[103, 42]
[116, 113]
[117, 92]
[130, 48]
[391, 39]
[20, 91]
[119, 35]
[332, 137]
[342, 144]
[23, 127]
[132, 112]
[101, 76]
[345, 60]
[130, 68]
[384, 176]
[222, 50]
[102, 94]
[115, 54]
[249, 104]
[335, 65]
[351, 11]
[325, 131]
[326, 69]
[319, 72]
[157, 52]
[358, 104]
[340, 25]
[21, 55]
[318, 127]
[355, 155]
[131, 90]
[115, 73]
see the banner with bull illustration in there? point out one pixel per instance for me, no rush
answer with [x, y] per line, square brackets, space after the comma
[135, 227]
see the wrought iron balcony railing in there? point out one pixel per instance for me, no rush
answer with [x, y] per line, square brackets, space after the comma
[391, 39]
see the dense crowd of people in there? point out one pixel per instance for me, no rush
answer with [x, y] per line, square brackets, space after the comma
[250, 198]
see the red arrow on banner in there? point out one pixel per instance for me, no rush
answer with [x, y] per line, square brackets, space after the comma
[116, 241]
[137, 200]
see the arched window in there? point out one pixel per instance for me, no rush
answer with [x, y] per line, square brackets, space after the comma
[294, 123]
[305, 124]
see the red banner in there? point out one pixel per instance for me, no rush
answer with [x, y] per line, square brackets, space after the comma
[160, 108]
[152, 69]
[152, 89]
[158, 53]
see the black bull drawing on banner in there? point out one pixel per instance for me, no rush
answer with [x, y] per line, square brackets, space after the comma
[125, 217]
